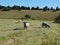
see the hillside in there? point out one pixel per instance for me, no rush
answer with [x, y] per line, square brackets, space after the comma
[35, 14]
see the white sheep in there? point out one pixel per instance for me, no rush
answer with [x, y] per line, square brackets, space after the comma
[26, 25]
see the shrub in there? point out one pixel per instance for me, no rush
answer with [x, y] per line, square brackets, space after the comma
[27, 16]
[57, 19]
[6, 9]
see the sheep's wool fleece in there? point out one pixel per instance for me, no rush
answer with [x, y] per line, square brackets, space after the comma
[27, 24]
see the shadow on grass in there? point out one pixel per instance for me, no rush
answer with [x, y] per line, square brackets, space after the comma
[18, 29]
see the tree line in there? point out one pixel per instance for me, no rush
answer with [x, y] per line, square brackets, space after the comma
[15, 7]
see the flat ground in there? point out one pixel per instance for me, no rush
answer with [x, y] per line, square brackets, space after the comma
[34, 35]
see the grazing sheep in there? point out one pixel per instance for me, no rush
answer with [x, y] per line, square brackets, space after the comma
[45, 24]
[26, 25]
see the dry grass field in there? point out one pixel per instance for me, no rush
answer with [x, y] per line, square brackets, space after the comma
[36, 14]
[34, 35]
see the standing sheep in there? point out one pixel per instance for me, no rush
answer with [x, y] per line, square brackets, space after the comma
[26, 25]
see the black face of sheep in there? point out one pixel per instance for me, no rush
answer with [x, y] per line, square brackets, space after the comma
[25, 27]
[45, 25]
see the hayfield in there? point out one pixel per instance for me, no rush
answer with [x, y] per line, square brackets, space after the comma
[34, 35]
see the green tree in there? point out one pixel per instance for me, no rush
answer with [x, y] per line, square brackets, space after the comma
[8, 8]
[23, 7]
[45, 8]
[15, 7]
[37, 8]
[33, 8]
[28, 8]
[52, 8]
[0, 7]
[57, 8]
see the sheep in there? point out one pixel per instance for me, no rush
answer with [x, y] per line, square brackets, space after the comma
[26, 25]
[45, 24]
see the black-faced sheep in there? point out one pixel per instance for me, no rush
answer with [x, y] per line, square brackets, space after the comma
[45, 24]
[26, 25]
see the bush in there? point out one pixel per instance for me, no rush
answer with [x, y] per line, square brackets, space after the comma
[57, 19]
[6, 9]
[27, 16]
